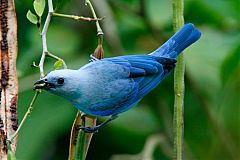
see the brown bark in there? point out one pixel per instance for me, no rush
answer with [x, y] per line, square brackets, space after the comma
[8, 77]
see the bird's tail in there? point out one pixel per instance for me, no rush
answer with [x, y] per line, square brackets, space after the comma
[186, 36]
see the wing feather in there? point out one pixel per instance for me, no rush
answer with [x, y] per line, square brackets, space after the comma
[127, 80]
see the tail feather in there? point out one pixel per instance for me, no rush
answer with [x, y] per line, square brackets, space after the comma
[186, 36]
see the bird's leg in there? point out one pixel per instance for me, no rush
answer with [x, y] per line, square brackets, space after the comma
[96, 128]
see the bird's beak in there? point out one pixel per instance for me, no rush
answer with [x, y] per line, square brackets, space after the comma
[42, 84]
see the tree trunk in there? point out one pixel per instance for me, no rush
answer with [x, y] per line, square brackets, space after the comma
[8, 77]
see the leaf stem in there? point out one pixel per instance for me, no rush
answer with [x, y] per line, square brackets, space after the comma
[178, 119]
[57, 58]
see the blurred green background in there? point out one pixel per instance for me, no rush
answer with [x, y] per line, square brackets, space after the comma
[212, 96]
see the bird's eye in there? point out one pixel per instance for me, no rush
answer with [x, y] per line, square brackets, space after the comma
[60, 81]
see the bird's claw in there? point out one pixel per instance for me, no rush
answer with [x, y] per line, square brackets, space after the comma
[89, 129]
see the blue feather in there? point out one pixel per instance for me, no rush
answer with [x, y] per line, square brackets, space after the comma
[146, 70]
[186, 36]
[110, 86]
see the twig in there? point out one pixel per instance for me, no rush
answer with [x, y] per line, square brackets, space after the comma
[30, 108]
[99, 52]
[151, 144]
[154, 141]
[103, 8]
[99, 29]
[44, 38]
[178, 120]
[40, 66]
[45, 51]
[76, 17]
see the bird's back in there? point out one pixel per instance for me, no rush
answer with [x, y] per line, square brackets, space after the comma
[117, 83]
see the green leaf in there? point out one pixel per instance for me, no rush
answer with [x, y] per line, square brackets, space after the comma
[32, 17]
[39, 6]
[58, 64]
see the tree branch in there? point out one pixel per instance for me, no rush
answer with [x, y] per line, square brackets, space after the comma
[77, 18]
[44, 38]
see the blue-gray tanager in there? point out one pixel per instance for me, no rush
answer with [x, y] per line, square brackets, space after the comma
[110, 86]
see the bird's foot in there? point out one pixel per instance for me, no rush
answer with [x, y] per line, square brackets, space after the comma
[95, 129]
[90, 129]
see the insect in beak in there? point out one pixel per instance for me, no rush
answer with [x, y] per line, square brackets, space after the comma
[43, 84]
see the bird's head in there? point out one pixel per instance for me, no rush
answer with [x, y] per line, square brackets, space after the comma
[63, 82]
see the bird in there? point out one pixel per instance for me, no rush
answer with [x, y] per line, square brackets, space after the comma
[110, 86]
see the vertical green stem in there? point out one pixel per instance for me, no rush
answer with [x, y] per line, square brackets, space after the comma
[178, 121]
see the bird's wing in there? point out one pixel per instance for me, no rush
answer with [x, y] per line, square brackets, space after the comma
[114, 99]
[108, 88]
[125, 80]
[146, 70]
